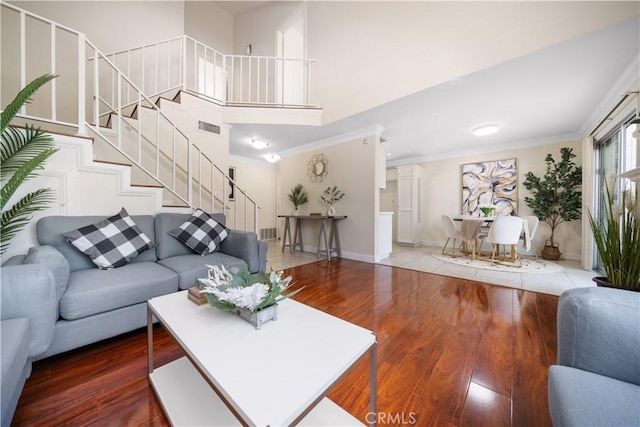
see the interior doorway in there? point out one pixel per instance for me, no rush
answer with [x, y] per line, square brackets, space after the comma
[290, 46]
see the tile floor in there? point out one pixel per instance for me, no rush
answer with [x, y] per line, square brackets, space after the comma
[420, 259]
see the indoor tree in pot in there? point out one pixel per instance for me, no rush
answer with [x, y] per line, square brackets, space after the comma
[23, 153]
[617, 237]
[298, 197]
[556, 197]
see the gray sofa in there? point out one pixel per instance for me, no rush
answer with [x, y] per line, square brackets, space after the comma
[55, 299]
[596, 381]
[27, 316]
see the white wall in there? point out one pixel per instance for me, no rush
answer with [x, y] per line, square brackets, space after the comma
[206, 22]
[352, 168]
[443, 194]
[428, 43]
[257, 27]
[115, 25]
[259, 181]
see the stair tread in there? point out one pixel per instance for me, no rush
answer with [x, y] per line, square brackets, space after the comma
[147, 185]
[110, 162]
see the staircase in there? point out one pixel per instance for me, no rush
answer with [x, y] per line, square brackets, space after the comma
[105, 98]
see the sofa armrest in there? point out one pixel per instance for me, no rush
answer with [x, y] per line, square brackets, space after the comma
[29, 291]
[53, 259]
[599, 331]
[243, 244]
[262, 255]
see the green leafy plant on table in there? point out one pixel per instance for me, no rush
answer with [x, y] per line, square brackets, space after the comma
[298, 196]
[487, 209]
[22, 154]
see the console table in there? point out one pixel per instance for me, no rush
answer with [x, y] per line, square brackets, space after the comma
[332, 244]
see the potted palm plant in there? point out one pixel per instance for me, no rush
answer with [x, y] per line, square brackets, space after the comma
[22, 154]
[617, 237]
[298, 197]
[556, 197]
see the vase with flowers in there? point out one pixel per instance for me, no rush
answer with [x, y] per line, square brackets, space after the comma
[487, 210]
[253, 296]
[617, 236]
[330, 196]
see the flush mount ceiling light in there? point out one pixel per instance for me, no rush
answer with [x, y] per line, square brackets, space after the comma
[258, 144]
[486, 130]
[272, 158]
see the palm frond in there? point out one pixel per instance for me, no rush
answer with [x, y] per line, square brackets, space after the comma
[14, 219]
[21, 175]
[19, 147]
[23, 97]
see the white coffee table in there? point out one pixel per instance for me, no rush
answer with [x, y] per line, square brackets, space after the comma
[234, 374]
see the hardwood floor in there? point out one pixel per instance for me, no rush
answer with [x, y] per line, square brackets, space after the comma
[451, 352]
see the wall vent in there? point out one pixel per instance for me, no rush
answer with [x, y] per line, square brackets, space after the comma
[267, 233]
[208, 127]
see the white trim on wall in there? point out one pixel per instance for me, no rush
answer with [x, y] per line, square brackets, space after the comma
[334, 140]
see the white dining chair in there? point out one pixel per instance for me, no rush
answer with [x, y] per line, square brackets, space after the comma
[451, 231]
[505, 230]
[532, 222]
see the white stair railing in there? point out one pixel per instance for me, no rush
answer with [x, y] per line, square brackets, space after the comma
[185, 63]
[101, 93]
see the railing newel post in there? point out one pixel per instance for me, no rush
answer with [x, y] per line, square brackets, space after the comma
[82, 84]
[53, 71]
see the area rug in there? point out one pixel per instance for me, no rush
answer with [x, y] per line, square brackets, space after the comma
[528, 265]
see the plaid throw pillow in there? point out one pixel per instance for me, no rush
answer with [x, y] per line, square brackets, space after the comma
[110, 243]
[201, 233]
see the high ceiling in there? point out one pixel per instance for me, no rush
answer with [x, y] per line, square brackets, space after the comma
[544, 97]
[238, 7]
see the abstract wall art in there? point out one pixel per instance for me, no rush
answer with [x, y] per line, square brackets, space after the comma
[493, 183]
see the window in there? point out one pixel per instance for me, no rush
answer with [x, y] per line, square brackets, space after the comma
[616, 153]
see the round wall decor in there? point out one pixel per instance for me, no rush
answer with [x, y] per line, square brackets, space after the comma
[317, 168]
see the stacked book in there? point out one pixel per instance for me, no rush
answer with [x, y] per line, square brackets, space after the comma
[196, 295]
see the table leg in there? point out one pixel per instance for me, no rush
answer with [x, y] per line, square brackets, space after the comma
[297, 239]
[334, 238]
[322, 237]
[287, 235]
[150, 340]
[373, 384]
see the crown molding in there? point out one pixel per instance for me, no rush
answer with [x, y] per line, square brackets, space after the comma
[334, 140]
[568, 137]
[623, 84]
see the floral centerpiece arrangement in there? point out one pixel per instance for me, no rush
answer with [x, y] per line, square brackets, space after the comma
[617, 237]
[487, 209]
[252, 296]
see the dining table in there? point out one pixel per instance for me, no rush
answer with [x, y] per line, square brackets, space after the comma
[471, 229]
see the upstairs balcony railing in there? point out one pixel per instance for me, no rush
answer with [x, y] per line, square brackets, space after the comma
[185, 63]
[92, 94]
